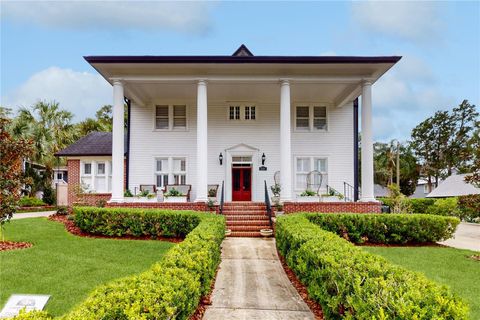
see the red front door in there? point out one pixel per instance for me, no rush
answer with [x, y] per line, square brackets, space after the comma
[241, 184]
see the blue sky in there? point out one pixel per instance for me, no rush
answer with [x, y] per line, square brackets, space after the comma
[43, 44]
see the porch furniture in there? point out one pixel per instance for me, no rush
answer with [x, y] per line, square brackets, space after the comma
[182, 188]
[151, 188]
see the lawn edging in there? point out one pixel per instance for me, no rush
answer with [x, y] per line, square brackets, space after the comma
[171, 288]
[349, 282]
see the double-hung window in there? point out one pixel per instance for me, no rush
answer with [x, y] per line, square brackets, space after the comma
[242, 112]
[96, 176]
[311, 118]
[100, 177]
[305, 165]
[171, 117]
[170, 170]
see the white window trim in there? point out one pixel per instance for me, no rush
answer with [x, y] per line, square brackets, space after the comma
[242, 106]
[311, 106]
[93, 175]
[170, 172]
[170, 117]
[312, 166]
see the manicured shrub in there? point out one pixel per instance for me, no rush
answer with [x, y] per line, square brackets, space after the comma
[49, 196]
[351, 283]
[30, 202]
[387, 228]
[469, 207]
[421, 205]
[136, 222]
[32, 315]
[172, 288]
[445, 207]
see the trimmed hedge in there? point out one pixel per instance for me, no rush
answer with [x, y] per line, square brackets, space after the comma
[387, 228]
[417, 205]
[136, 222]
[30, 202]
[351, 283]
[170, 289]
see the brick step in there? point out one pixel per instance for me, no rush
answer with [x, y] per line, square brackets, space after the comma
[246, 234]
[247, 217]
[244, 211]
[247, 228]
[236, 203]
[248, 222]
[244, 208]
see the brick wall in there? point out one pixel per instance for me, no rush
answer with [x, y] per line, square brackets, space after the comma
[355, 207]
[196, 206]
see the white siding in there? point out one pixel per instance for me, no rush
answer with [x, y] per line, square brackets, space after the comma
[262, 134]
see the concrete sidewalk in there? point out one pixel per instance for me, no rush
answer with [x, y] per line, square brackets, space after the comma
[26, 215]
[251, 284]
[467, 236]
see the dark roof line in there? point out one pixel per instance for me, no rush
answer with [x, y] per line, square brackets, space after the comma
[242, 59]
[93, 144]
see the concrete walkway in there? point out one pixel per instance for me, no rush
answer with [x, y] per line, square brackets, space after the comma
[467, 236]
[251, 284]
[25, 215]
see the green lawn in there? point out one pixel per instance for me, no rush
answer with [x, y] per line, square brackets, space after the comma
[448, 266]
[65, 266]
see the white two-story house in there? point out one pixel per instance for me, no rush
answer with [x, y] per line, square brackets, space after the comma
[242, 120]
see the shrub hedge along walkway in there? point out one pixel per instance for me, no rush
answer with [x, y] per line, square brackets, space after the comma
[172, 288]
[349, 282]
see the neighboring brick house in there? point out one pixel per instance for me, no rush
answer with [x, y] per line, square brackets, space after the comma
[89, 164]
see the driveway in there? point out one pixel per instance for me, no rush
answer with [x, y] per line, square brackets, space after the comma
[467, 236]
[251, 284]
[25, 215]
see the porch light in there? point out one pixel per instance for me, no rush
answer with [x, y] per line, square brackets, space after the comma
[220, 158]
[263, 159]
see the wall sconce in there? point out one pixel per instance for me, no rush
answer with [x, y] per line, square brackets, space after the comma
[263, 159]
[220, 158]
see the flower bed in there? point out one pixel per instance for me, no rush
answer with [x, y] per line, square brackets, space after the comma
[172, 288]
[350, 283]
[387, 228]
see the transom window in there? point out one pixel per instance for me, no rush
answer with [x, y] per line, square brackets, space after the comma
[304, 165]
[311, 118]
[170, 117]
[242, 112]
[173, 169]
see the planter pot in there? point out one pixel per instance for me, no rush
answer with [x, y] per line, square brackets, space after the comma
[266, 232]
[278, 213]
[228, 232]
[309, 199]
[331, 199]
[214, 199]
[275, 199]
[175, 199]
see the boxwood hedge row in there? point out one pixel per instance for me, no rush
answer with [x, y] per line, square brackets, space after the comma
[170, 289]
[387, 228]
[351, 283]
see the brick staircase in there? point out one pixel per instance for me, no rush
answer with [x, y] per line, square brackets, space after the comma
[246, 219]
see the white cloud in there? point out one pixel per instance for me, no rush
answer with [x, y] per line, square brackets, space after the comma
[79, 92]
[405, 96]
[144, 15]
[412, 20]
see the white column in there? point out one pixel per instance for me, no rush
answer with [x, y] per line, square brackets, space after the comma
[117, 143]
[285, 143]
[367, 143]
[202, 145]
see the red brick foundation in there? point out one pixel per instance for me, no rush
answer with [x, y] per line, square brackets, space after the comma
[332, 207]
[195, 206]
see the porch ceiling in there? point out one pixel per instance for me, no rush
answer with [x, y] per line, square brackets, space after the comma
[149, 93]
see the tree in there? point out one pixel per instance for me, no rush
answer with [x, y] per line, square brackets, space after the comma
[103, 121]
[49, 127]
[474, 168]
[385, 166]
[11, 175]
[441, 142]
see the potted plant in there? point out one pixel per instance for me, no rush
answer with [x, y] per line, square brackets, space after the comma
[278, 209]
[211, 205]
[174, 196]
[276, 193]
[266, 232]
[308, 196]
[145, 196]
[331, 196]
[212, 195]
